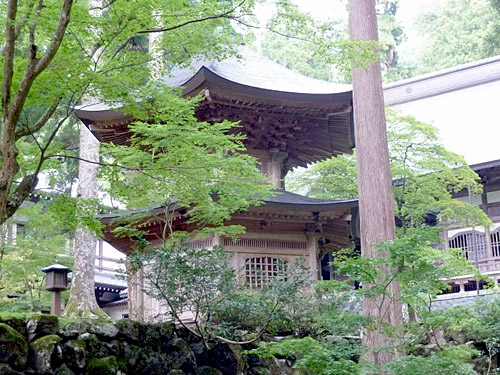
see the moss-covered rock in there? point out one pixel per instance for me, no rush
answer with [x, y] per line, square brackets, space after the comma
[207, 370]
[63, 370]
[92, 344]
[260, 370]
[13, 347]
[45, 349]
[131, 330]
[220, 356]
[102, 366]
[5, 369]
[75, 354]
[19, 324]
[41, 325]
[74, 328]
[104, 329]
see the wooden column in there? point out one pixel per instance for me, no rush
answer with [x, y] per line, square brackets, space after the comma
[376, 204]
[55, 306]
[312, 247]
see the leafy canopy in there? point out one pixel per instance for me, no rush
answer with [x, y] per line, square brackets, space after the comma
[457, 32]
[56, 53]
[173, 157]
[425, 176]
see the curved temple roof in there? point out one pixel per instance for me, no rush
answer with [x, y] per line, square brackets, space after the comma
[254, 70]
[247, 69]
[277, 108]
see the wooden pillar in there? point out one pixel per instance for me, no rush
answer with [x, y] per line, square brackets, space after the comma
[55, 307]
[444, 238]
[462, 283]
[312, 247]
[376, 204]
[273, 167]
[484, 202]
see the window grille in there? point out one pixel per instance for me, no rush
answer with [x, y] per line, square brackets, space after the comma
[200, 244]
[259, 271]
[454, 288]
[265, 244]
[474, 285]
[495, 243]
[473, 244]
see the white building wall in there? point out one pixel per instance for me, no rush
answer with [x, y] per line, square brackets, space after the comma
[468, 120]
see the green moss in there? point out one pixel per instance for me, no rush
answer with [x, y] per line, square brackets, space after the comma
[9, 315]
[13, 347]
[45, 343]
[72, 311]
[77, 344]
[102, 366]
[9, 334]
[64, 321]
[12, 340]
[45, 318]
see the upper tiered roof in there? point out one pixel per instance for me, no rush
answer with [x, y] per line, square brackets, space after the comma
[278, 109]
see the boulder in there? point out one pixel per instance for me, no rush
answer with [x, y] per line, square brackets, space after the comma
[180, 355]
[102, 366]
[104, 329]
[130, 330]
[75, 353]
[207, 370]
[220, 356]
[63, 370]
[94, 346]
[46, 350]
[13, 347]
[17, 323]
[5, 369]
[42, 325]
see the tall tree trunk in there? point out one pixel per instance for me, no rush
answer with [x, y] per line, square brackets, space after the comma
[82, 301]
[376, 204]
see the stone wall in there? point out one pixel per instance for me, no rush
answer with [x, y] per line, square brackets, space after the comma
[43, 345]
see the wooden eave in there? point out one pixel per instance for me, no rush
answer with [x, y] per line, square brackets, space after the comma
[298, 217]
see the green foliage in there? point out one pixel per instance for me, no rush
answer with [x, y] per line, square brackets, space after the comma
[104, 54]
[320, 49]
[173, 157]
[449, 361]
[330, 52]
[205, 283]
[41, 241]
[425, 175]
[458, 32]
[338, 357]
[334, 178]
[411, 260]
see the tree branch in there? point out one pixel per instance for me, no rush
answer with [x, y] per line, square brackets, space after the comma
[39, 124]
[10, 40]
[40, 64]
[178, 26]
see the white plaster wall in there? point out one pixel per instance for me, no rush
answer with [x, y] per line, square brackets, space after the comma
[468, 120]
[493, 196]
[116, 312]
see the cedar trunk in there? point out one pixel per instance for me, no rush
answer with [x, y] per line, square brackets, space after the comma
[376, 204]
[82, 301]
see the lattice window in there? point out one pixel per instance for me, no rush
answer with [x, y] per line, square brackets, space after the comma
[454, 288]
[200, 244]
[473, 244]
[495, 243]
[265, 244]
[259, 271]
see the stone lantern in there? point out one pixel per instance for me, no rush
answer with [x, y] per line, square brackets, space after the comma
[56, 280]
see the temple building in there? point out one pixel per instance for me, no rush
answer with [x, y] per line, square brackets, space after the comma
[289, 120]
